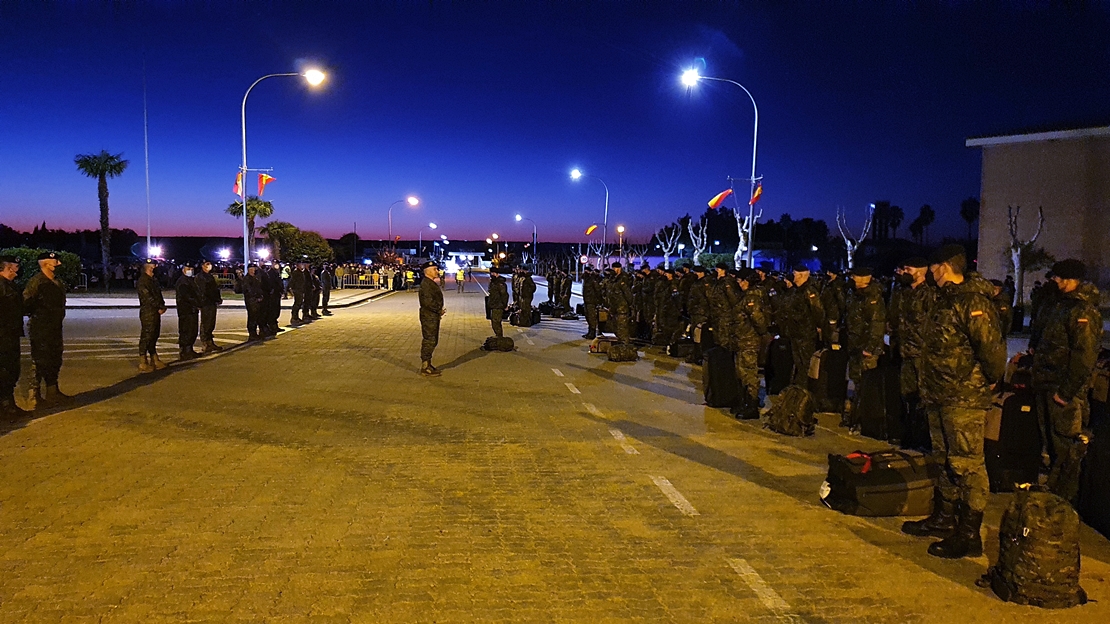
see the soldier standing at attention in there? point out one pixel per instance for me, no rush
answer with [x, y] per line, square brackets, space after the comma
[210, 298]
[527, 291]
[751, 324]
[964, 356]
[498, 300]
[431, 311]
[187, 297]
[1002, 300]
[1064, 357]
[591, 299]
[325, 289]
[865, 326]
[802, 318]
[298, 282]
[619, 295]
[11, 329]
[151, 308]
[250, 285]
[44, 300]
[833, 301]
[910, 307]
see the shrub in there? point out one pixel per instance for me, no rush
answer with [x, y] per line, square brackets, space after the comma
[69, 272]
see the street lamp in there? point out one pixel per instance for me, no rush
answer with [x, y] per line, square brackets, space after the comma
[690, 78]
[576, 175]
[535, 252]
[620, 243]
[314, 77]
[420, 237]
[410, 200]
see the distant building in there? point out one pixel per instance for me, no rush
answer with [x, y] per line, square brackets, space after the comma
[1065, 172]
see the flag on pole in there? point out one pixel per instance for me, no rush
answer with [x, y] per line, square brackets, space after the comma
[719, 199]
[263, 180]
[590, 230]
[238, 181]
[756, 194]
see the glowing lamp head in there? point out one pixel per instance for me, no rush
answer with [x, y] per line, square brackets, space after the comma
[225, 254]
[495, 236]
[501, 255]
[519, 218]
[155, 251]
[575, 174]
[432, 225]
[413, 201]
[489, 241]
[443, 236]
[690, 77]
[264, 253]
[314, 77]
[620, 229]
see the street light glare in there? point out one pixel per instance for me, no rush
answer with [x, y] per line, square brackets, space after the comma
[518, 217]
[489, 241]
[690, 77]
[495, 236]
[620, 228]
[575, 174]
[443, 236]
[314, 77]
[155, 251]
[412, 200]
[432, 225]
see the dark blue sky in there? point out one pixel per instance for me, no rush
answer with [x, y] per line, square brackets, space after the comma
[482, 108]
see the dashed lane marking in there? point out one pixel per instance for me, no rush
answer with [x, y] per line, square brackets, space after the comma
[592, 409]
[763, 591]
[619, 436]
[572, 389]
[558, 373]
[529, 341]
[675, 496]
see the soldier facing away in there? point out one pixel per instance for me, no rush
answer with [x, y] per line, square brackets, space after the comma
[44, 300]
[498, 300]
[591, 300]
[151, 308]
[431, 311]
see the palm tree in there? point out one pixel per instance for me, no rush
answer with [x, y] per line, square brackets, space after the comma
[102, 166]
[256, 209]
[969, 210]
[896, 217]
[927, 215]
[279, 233]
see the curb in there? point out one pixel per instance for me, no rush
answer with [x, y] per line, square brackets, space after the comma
[172, 306]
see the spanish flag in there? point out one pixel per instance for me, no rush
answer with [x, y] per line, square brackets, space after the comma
[263, 180]
[590, 230]
[238, 181]
[719, 199]
[756, 194]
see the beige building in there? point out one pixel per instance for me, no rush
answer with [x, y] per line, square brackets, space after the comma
[1068, 174]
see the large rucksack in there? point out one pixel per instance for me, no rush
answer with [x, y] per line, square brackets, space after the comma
[1038, 555]
[623, 352]
[494, 343]
[887, 483]
[719, 382]
[791, 413]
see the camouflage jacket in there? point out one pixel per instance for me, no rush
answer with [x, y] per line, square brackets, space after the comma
[527, 288]
[800, 314]
[1002, 305]
[11, 311]
[498, 293]
[964, 352]
[752, 320]
[909, 311]
[591, 289]
[865, 322]
[1064, 356]
[431, 297]
[666, 304]
[684, 284]
[833, 301]
[150, 293]
[697, 305]
[44, 299]
[619, 294]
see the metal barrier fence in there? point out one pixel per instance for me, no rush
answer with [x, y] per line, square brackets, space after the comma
[366, 280]
[82, 282]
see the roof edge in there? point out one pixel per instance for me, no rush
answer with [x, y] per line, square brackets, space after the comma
[1081, 133]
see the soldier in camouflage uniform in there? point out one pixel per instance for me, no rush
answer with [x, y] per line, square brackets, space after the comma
[750, 325]
[565, 284]
[697, 307]
[865, 327]
[834, 302]
[686, 279]
[724, 298]
[619, 300]
[668, 313]
[591, 299]
[254, 295]
[498, 300]
[187, 298]
[910, 307]
[151, 308]
[527, 292]
[801, 318]
[963, 356]
[44, 300]
[11, 329]
[431, 311]
[1064, 357]
[1002, 303]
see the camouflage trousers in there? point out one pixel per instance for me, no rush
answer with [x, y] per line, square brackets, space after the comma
[495, 317]
[591, 317]
[1062, 426]
[957, 436]
[801, 351]
[429, 333]
[150, 329]
[747, 370]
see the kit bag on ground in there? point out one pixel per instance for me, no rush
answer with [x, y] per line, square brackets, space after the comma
[569, 316]
[722, 388]
[828, 379]
[546, 307]
[886, 483]
[623, 352]
[514, 319]
[681, 348]
[869, 406]
[494, 343]
[1012, 442]
[1038, 554]
[791, 413]
[488, 316]
[703, 336]
[580, 309]
[780, 365]
[600, 344]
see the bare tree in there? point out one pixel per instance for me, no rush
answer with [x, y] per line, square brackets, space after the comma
[668, 241]
[632, 252]
[698, 236]
[851, 244]
[1017, 246]
[596, 250]
[742, 223]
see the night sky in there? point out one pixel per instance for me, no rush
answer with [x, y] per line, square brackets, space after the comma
[482, 108]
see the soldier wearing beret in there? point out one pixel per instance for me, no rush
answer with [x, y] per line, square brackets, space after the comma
[210, 298]
[865, 326]
[910, 307]
[431, 311]
[44, 300]
[188, 300]
[801, 317]
[11, 329]
[498, 300]
[591, 300]
[1064, 356]
[151, 308]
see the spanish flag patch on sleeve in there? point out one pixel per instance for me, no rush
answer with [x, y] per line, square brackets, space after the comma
[976, 313]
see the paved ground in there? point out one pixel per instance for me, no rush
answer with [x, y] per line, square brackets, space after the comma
[317, 477]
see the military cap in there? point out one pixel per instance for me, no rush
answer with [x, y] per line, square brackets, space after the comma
[11, 259]
[1069, 269]
[722, 265]
[49, 255]
[861, 271]
[615, 265]
[745, 274]
[800, 268]
[946, 253]
[698, 268]
[430, 263]
[249, 266]
[149, 261]
[916, 262]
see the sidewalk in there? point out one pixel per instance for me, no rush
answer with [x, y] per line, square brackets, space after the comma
[339, 299]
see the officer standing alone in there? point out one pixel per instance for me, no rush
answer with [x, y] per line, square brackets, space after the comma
[498, 300]
[151, 308]
[44, 300]
[11, 329]
[431, 311]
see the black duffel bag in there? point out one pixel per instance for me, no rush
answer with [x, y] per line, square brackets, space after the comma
[886, 483]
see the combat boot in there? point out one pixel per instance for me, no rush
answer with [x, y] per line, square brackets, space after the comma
[427, 370]
[965, 541]
[589, 335]
[940, 523]
[144, 364]
[212, 347]
[51, 395]
[34, 397]
[157, 362]
[11, 411]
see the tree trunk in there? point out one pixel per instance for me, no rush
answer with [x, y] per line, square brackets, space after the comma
[1019, 276]
[742, 246]
[105, 233]
[851, 252]
[250, 233]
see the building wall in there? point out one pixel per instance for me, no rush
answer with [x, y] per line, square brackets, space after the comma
[1070, 179]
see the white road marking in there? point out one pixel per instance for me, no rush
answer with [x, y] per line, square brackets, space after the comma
[558, 373]
[767, 596]
[592, 409]
[619, 436]
[675, 496]
[572, 389]
[529, 341]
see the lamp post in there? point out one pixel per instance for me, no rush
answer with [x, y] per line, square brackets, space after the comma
[577, 174]
[620, 242]
[314, 77]
[519, 219]
[690, 78]
[410, 200]
[420, 237]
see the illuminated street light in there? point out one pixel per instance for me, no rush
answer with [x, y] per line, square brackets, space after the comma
[420, 237]
[576, 174]
[263, 253]
[224, 254]
[620, 243]
[489, 241]
[154, 251]
[411, 200]
[314, 77]
[690, 78]
[519, 218]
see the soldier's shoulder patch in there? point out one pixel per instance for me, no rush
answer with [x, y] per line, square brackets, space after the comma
[751, 303]
[1082, 319]
[874, 302]
[811, 295]
[976, 313]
